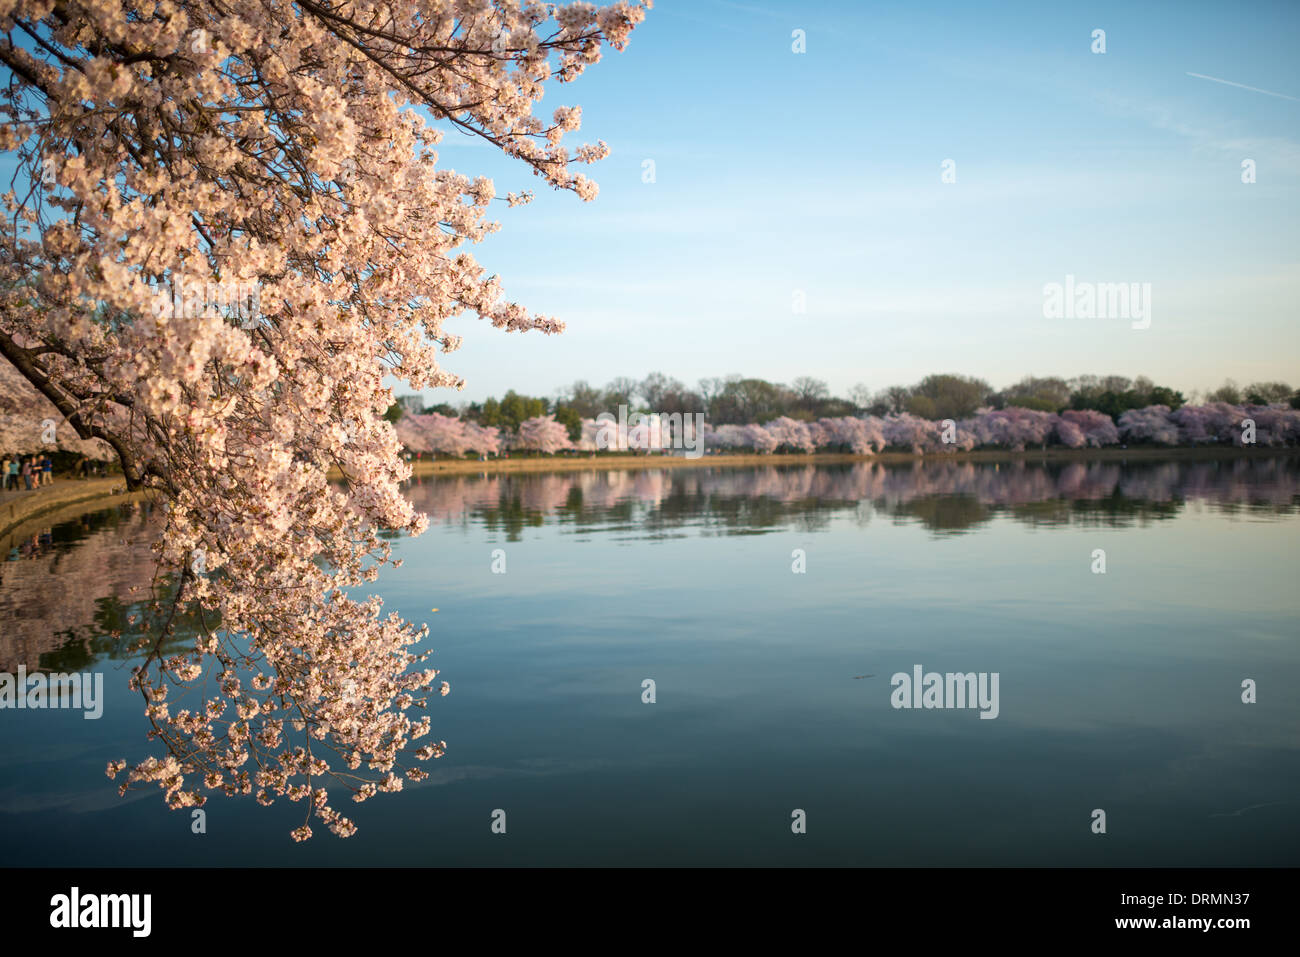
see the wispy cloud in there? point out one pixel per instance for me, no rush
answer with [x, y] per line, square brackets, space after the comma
[1285, 151]
[1243, 86]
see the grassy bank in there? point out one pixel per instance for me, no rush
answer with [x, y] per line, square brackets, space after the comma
[24, 513]
[562, 463]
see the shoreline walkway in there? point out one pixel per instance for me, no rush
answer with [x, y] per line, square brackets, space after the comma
[19, 507]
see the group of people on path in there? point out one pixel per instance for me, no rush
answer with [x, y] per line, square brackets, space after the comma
[26, 472]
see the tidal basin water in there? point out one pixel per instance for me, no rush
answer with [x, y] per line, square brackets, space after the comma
[1119, 691]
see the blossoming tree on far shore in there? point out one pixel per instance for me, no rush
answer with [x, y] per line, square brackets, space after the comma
[543, 434]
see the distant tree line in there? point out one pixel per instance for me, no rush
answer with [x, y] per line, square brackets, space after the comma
[736, 400]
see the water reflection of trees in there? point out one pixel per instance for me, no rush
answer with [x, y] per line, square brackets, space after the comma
[944, 497]
[79, 591]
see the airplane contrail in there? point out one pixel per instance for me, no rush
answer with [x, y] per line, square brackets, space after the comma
[1253, 89]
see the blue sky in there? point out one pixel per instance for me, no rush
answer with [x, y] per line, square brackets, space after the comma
[820, 172]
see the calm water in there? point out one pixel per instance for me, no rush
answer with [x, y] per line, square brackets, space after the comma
[1119, 691]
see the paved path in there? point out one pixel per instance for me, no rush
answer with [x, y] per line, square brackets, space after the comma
[18, 507]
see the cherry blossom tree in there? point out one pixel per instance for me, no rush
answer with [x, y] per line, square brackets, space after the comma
[1070, 434]
[1013, 427]
[963, 438]
[727, 437]
[793, 434]
[759, 438]
[413, 437]
[446, 434]
[543, 434]
[291, 149]
[1094, 428]
[1151, 424]
[1275, 424]
[1211, 422]
[482, 439]
[433, 432]
[861, 436]
[908, 431]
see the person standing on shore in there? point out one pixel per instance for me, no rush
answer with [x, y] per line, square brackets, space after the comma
[11, 479]
[27, 473]
[47, 470]
[4, 474]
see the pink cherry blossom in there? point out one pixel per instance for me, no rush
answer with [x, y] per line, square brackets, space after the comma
[1152, 424]
[291, 149]
[792, 434]
[543, 434]
[1095, 428]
